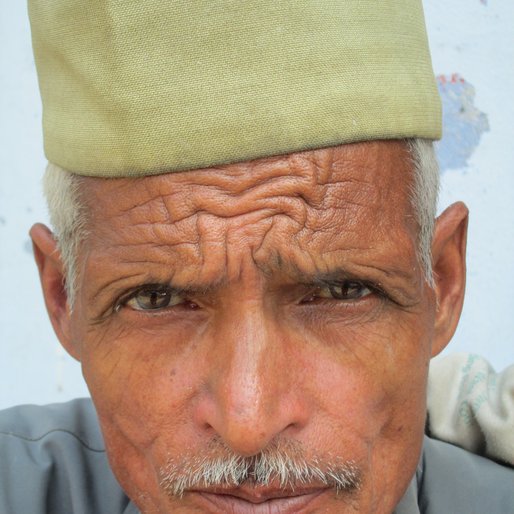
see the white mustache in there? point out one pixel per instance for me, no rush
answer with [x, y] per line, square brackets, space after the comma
[281, 463]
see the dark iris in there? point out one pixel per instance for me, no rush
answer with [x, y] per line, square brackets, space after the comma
[149, 299]
[345, 290]
[348, 290]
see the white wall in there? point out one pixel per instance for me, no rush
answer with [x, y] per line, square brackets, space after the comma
[474, 39]
[471, 40]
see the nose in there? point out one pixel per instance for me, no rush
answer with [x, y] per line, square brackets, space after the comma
[253, 391]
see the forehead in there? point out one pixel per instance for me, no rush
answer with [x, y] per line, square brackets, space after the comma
[287, 209]
[371, 171]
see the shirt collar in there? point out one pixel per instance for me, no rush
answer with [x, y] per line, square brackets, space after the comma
[131, 509]
[409, 503]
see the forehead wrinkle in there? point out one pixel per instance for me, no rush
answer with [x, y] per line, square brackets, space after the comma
[187, 192]
[310, 176]
[281, 188]
[280, 195]
[146, 234]
[283, 195]
[236, 179]
[301, 199]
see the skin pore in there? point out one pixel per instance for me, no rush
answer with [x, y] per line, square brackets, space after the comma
[271, 309]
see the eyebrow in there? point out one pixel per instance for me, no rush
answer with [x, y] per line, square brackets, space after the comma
[118, 284]
[373, 276]
[278, 265]
[392, 280]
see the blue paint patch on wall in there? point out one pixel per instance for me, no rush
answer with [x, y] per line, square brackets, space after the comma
[463, 123]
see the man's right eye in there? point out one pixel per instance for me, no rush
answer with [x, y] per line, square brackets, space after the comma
[153, 298]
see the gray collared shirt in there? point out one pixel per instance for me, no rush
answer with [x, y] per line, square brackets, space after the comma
[53, 461]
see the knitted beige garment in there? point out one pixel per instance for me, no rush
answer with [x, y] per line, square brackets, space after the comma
[472, 406]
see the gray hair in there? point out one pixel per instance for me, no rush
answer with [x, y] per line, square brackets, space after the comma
[424, 196]
[68, 219]
[68, 213]
[282, 462]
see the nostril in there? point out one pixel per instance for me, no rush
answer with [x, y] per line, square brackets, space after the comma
[207, 427]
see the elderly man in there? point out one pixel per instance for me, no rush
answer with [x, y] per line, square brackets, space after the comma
[245, 262]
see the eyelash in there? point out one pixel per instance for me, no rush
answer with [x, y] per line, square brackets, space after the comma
[373, 290]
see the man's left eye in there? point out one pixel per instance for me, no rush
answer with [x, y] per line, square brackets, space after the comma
[346, 290]
[154, 298]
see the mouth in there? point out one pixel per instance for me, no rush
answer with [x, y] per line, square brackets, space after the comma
[258, 500]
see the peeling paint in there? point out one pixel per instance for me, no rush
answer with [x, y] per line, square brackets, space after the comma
[463, 123]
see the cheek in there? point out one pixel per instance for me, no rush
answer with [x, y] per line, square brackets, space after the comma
[370, 394]
[137, 378]
[369, 381]
[143, 392]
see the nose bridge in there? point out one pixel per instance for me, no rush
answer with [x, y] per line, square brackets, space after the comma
[249, 387]
[248, 377]
[252, 357]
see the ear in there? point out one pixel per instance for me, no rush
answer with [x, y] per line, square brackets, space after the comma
[51, 274]
[449, 267]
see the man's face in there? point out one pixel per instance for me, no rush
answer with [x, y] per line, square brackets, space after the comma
[258, 313]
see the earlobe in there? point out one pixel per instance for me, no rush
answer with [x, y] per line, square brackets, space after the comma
[449, 267]
[51, 274]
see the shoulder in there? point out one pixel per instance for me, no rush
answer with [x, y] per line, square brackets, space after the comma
[58, 450]
[32, 423]
[455, 480]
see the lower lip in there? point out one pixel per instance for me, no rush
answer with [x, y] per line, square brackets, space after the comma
[224, 503]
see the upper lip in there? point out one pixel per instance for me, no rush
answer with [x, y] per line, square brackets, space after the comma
[260, 494]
